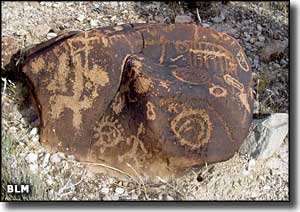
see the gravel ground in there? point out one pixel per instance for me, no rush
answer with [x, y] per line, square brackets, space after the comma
[257, 26]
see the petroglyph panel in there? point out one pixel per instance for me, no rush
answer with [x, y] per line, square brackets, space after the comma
[161, 98]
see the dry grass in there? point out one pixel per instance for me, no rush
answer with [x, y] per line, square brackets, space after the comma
[18, 175]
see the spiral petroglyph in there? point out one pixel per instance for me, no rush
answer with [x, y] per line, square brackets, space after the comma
[192, 127]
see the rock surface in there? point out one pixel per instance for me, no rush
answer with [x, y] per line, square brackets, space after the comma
[267, 136]
[183, 19]
[220, 181]
[274, 50]
[206, 70]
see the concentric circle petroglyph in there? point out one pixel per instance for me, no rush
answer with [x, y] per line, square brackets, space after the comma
[192, 127]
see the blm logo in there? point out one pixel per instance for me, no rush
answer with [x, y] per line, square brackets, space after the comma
[18, 189]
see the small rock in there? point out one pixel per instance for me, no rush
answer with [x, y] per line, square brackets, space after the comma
[251, 163]
[134, 196]
[33, 168]
[33, 132]
[259, 44]
[111, 180]
[114, 18]
[259, 27]
[69, 4]
[104, 190]
[119, 190]
[80, 18]
[71, 157]
[31, 158]
[246, 172]
[205, 25]
[261, 38]
[56, 5]
[51, 193]
[183, 19]
[42, 30]
[21, 32]
[284, 153]
[35, 139]
[51, 35]
[252, 40]
[159, 19]
[49, 181]
[276, 65]
[10, 46]
[276, 164]
[115, 197]
[57, 157]
[13, 130]
[253, 195]
[14, 165]
[169, 198]
[218, 19]
[61, 155]
[256, 107]
[267, 136]
[274, 50]
[94, 23]
[118, 28]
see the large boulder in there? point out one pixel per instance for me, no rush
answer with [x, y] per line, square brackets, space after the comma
[160, 98]
[266, 137]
